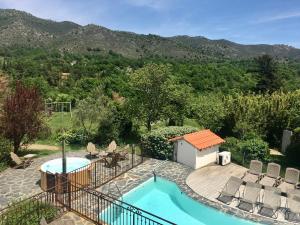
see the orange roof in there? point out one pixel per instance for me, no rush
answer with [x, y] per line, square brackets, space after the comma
[201, 139]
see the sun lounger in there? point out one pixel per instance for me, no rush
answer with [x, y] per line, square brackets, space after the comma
[250, 197]
[91, 149]
[272, 177]
[230, 189]
[20, 163]
[290, 180]
[254, 173]
[293, 208]
[271, 202]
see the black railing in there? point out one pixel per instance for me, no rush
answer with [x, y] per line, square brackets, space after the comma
[76, 192]
[101, 171]
[32, 210]
[106, 209]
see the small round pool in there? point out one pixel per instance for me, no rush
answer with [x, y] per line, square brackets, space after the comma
[51, 170]
[73, 163]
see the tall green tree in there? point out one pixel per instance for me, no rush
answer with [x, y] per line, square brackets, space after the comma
[269, 79]
[150, 86]
[90, 111]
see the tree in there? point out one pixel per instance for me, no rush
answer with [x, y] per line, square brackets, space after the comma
[90, 110]
[150, 87]
[267, 70]
[21, 119]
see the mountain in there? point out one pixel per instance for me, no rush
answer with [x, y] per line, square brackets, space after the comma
[19, 28]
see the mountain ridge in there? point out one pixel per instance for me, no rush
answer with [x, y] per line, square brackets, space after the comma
[18, 28]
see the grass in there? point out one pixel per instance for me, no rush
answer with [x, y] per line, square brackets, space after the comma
[56, 122]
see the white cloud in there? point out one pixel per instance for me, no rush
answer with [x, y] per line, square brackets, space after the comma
[154, 4]
[280, 16]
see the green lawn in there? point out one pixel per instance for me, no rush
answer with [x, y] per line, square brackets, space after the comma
[56, 122]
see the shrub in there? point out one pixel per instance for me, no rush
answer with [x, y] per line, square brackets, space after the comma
[293, 154]
[5, 148]
[254, 148]
[296, 135]
[74, 136]
[29, 212]
[230, 145]
[293, 150]
[156, 144]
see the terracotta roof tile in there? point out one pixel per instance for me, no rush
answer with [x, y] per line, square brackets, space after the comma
[202, 139]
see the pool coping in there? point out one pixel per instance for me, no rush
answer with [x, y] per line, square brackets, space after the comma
[167, 174]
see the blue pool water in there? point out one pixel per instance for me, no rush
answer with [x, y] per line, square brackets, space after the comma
[164, 198]
[73, 163]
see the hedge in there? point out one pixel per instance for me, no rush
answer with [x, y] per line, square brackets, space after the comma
[156, 145]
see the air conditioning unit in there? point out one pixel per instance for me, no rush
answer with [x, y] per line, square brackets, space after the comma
[224, 158]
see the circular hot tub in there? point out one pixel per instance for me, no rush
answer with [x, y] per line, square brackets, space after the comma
[78, 171]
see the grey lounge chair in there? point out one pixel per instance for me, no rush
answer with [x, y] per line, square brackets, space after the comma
[271, 202]
[290, 181]
[250, 197]
[91, 149]
[20, 163]
[230, 189]
[254, 173]
[272, 177]
[293, 208]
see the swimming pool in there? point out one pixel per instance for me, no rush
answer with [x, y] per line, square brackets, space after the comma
[164, 199]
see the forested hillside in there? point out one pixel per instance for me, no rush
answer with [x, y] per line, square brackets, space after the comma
[18, 28]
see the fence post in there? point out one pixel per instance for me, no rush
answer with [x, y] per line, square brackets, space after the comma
[69, 194]
[132, 153]
[142, 153]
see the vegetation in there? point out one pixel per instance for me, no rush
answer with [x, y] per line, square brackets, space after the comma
[5, 148]
[114, 97]
[156, 143]
[28, 212]
[293, 151]
[22, 29]
[21, 119]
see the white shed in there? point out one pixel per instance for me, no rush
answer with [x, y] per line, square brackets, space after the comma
[197, 149]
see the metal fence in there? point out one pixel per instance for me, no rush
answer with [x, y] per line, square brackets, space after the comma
[76, 192]
[106, 209]
[32, 210]
[97, 173]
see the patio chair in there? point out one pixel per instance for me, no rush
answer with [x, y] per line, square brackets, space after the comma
[229, 190]
[271, 202]
[250, 197]
[91, 149]
[293, 208]
[112, 161]
[124, 153]
[112, 147]
[290, 180]
[20, 163]
[272, 177]
[254, 173]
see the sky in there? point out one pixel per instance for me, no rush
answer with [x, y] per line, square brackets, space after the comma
[242, 21]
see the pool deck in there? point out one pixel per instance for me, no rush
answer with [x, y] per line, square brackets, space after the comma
[206, 184]
[210, 180]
